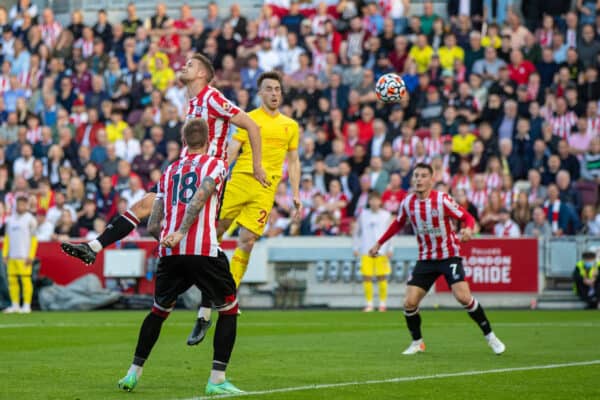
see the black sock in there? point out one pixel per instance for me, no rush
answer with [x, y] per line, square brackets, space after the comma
[413, 321]
[224, 340]
[118, 229]
[478, 315]
[149, 333]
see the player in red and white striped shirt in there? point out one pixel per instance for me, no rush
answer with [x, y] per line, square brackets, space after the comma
[183, 218]
[432, 215]
[208, 104]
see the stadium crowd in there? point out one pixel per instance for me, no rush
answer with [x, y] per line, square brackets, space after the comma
[503, 103]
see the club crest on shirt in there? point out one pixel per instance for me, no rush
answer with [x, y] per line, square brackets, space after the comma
[226, 106]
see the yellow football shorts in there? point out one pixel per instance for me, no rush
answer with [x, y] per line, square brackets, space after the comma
[247, 202]
[18, 267]
[375, 266]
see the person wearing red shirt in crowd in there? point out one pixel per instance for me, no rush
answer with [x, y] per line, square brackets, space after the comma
[519, 68]
[86, 133]
[393, 196]
[365, 125]
[432, 214]
[400, 54]
[185, 23]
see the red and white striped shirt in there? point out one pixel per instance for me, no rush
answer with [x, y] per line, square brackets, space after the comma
[562, 124]
[433, 146]
[87, 47]
[211, 106]
[34, 135]
[593, 126]
[431, 220]
[404, 147]
[479, 199]
[4, 83]
[50, 33]
[177, 186]
[493, 181]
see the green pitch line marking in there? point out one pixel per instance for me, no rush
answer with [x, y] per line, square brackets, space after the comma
[403, 379]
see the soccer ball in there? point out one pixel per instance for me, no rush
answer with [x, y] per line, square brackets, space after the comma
[390, 88]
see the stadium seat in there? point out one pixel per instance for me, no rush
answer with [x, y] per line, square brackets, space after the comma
[321, 271]
[333, 272]
[347, 268]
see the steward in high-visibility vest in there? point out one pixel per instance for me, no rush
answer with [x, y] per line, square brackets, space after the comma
[585, 279]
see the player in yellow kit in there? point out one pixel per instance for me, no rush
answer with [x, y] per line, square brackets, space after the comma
[246, 201]
[18, 252]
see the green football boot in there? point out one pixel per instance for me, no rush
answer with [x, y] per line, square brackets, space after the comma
[129, 382]
[222, 388]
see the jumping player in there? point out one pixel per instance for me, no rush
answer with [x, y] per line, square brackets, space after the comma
[431, 214]
[208, 104]
[187, 202]
[245, 201]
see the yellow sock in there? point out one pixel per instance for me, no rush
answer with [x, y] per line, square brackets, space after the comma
[383, 289]
[239, 264]
[27, 289]
[13, 289]
[368, 285]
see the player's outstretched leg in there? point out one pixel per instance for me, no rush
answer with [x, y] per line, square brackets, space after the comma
[462, 293]
[203, 322]
[117, 230]
[414, 295]
[224, 340]
[149, 333]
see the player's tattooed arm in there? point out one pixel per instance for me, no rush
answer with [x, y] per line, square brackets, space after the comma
[206, 189]
[156, 217]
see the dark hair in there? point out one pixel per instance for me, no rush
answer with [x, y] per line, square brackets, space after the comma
[206, 63]
[274, 75]
[195, 133]
[424, 166]
[373, 194]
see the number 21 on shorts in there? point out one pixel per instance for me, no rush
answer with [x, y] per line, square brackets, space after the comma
[262, 219]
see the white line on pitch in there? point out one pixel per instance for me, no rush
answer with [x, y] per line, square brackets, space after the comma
[402, 379]
[297, 324]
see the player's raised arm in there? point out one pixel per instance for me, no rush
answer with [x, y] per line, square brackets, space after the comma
[243, 121]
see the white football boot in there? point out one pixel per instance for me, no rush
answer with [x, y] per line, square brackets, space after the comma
[417, 346]
[495, 343]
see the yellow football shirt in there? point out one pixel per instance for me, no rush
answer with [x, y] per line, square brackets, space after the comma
[448, 56]
[279, 135]
[463, 145]
[422, 57]
[114, 132]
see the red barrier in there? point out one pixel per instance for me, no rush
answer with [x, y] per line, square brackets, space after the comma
[64, 269]
[499, 265]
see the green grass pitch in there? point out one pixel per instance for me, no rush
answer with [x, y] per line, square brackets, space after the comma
[81, 355]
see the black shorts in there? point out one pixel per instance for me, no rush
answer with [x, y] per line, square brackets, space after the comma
[176, 274]
[426, 272]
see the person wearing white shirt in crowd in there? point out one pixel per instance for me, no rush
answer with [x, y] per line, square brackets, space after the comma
[45, 228]
[372, 223]
[506, 227]
[99, 227]
[23, 165]
[128, 147]
[379, 136]
[268, 59]
[291, 55]
[135, 191]
[55, 212]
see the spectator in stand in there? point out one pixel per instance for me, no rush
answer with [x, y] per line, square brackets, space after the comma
[506, 227]
[539, 225]
[134, 192]
[145, 162]
[590, 164]
[562, 218]
[462, 143]
[106, 199]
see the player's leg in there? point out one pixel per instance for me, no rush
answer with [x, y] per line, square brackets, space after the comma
[241, 255]
[412, 299]
[215, 279]
[382, 271]
[117, 230]
[27, 288]
[170, 282]
[422, 278]
[13, 287]
[455, 275]
[367, 270]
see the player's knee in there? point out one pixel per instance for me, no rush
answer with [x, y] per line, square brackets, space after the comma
[229, 307]
[411, 304]
[246, 242]
[463, 298]
[162, 311]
